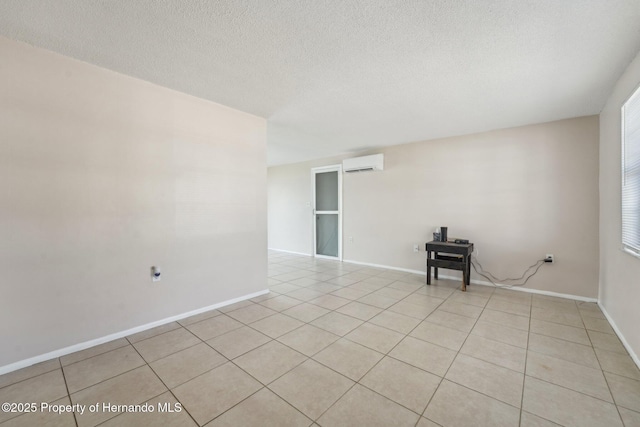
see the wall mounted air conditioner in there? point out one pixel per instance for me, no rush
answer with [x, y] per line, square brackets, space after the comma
[374, 162]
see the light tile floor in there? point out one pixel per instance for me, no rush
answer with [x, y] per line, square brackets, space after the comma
[338, 344]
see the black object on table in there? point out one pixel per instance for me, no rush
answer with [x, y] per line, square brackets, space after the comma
[453, 256]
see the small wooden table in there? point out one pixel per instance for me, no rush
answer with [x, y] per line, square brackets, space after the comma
[457, 257]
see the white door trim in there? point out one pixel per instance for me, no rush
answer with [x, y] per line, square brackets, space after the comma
[314, 171]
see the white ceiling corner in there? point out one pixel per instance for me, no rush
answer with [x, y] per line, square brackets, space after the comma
[335, 75]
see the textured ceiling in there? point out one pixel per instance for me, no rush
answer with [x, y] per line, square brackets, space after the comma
[335, 76]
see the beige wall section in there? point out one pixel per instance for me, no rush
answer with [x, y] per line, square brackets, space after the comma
[289, 208]
[103, 176]
[518, 194]
[619, 271]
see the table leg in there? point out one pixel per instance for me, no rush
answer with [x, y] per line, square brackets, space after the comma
[428, 268]
[435, 269]
[464, 278]
[468, 269]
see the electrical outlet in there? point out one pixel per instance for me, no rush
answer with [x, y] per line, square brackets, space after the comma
[155, 274]
[350, 239]
[547, 256]
[416, 247]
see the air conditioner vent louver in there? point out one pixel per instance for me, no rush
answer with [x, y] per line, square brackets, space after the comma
[358, 170]
[363, 164]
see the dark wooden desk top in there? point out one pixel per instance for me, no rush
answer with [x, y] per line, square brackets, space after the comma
[450, 247]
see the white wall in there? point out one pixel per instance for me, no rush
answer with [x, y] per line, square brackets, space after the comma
[103, 176]
[289, 217]
[619, 271]
[290, 208]
[516, 193]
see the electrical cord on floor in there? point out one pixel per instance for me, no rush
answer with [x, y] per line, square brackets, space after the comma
[497, 279]
[491, 278]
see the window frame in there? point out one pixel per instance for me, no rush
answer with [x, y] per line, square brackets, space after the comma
[627, 247]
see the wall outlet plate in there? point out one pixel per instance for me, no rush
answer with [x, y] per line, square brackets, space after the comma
[155, 274]
[550, 256]
[416, 247]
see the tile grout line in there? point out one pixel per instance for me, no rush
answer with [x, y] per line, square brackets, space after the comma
[606, 381]
[64, 377]
[168, 389]
[307, 358]
[605, 377]
[285, 373]
[146, 363]
[328, 367]
[565, 387]
[206, 372]
[526, 358]
[32, 377]
[420, 415]
[454, 358]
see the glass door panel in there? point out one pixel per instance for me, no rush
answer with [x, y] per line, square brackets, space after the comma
[327, 214]
[327, 235]
[327, 191]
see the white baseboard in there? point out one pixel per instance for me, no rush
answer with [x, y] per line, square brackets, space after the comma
[626, 345]
[474, 281]
[534, 291]
[289, 252]
[388, 267]
[91, 343]
[479, 282]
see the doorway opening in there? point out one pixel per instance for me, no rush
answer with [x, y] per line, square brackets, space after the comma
[327, 211]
